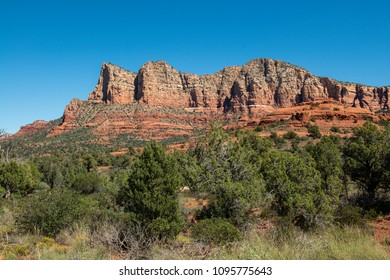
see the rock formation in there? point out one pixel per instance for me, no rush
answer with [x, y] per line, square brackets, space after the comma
[115, 85]
[257, 86]
[267, 82]
[31, 128]
[160, 102]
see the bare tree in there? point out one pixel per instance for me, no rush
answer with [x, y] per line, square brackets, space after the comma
[5, 148]
[129, 242]
[7, 194]
[2, 132]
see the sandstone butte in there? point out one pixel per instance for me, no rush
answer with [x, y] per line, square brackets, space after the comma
[161, 102]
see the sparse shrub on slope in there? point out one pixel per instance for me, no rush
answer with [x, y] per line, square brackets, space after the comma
[314, 131]
[216, 231]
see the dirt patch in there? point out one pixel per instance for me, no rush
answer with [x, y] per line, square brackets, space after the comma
[195, 203]
[382, 229]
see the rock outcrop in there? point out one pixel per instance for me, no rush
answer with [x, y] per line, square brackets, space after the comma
[267, 82]
[257, 86]
[160, 102]
[115, 85]
[31, 128]
[71, 117]
[159, 84]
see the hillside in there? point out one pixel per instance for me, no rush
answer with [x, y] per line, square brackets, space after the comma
[163, 104]
[263, 161]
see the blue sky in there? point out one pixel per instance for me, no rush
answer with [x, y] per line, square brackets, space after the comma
[51, 51]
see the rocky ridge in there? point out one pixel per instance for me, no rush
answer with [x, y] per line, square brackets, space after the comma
[161, 102]
[260, 83]
[31, 128]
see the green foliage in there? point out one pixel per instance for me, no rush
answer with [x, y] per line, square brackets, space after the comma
[335, 129]
[327, 156]
[190, 169]
[87, 183]
[228, 173]
[233, 201]
[215, 231]
[49, 212]
[60, 171]
[279, 123]
[296, 187]
[2, 190]
[151, 192]
[259, 128]
[90, 162]
[349, 215]
[19, 178]
[290, 135]
[367, 118]
[384, 123]
[368, 159]
[314, 131]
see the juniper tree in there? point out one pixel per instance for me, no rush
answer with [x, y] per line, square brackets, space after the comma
[151, 192]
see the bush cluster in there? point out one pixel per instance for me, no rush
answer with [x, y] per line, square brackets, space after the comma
[305, 186]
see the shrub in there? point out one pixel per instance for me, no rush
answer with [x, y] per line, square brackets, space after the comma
[228, 174]
[349, 215]
[215, 231]
[367, 118]
[151, 192]
[329, 162]
[279, 141]
[233, 202]
[384, 123]
[335, 129]
[367, 158]
[49, 212]
[87, 183]
[259, 128]
[290, 135]
[19, 178]
[314, 131]
[296, 187]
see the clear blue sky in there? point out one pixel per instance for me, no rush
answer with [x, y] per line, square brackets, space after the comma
[51, 51]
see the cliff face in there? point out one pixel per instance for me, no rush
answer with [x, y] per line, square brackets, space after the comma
[259, 84]
[266, 82]
[160, 84]
[31, 128]
[160, 102]
[115, 86]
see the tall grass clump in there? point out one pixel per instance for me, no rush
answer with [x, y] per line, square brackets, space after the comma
[335, 243]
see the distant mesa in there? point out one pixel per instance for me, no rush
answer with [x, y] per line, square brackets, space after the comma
[260, 83]
[160, 101]
[257, 84]
[31, 128]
